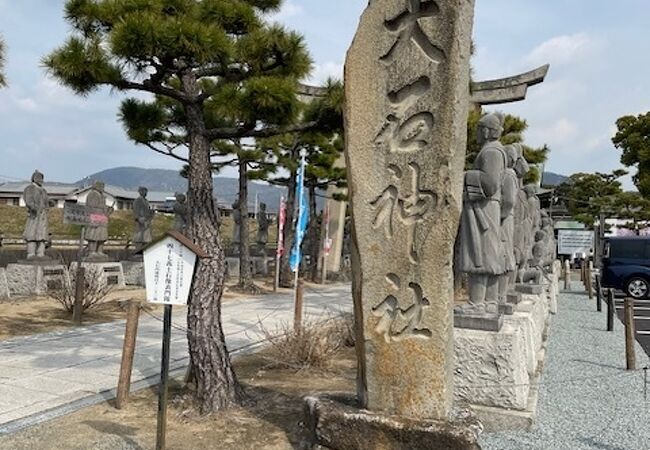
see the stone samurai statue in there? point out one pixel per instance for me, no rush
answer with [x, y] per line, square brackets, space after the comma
[97, 234]
[36, 229]
[143, 215]
[263, 224]
[181, 212]
[236, 215]
[481, 248]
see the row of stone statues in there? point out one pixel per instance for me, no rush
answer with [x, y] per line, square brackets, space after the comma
[36, 232]
[505, 237]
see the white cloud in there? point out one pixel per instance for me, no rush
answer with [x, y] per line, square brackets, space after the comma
[557, 134]
[324, 71]
[288, 10]
[27, 105]
[561, 49]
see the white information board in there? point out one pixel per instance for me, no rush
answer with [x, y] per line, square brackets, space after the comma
[570, 242]
[168, 271]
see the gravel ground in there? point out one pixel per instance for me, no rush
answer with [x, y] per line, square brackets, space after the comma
[587, 399]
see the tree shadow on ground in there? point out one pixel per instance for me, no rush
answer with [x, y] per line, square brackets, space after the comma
[123, 432]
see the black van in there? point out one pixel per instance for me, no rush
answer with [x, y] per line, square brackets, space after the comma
[626, 265]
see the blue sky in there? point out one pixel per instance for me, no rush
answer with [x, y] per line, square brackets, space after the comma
[597, 51]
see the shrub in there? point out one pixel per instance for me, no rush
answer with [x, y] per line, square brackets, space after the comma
[95, 289]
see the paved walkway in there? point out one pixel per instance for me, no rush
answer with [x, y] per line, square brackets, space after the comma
[587, 400]
[43, 375]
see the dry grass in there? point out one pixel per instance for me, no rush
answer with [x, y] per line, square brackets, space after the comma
[312, 346]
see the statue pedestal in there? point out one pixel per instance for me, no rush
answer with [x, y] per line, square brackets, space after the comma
[97, 258]
[133, 273]
[478, 321]
[335, 421]
[4, 285]
[530, 289]
[111, 273]
[34, 279]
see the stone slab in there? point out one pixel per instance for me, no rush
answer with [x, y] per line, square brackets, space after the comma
[508, 309]
[484, 322]
[112, 273]
[4, 285]
[133, 273]
[513, 298]
[33, 279]
[336, 422]
[525, 323]
[491, 367]
[531, 289]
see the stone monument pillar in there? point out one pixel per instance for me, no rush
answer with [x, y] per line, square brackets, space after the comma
[407, 100]
[97, 234]
[409, 67]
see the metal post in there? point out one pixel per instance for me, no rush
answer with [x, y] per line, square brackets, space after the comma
[567, 275]
[610, 310]
[164, 373]
[599, 295]
[80, 282]
[588, 283]
[630, 356]
[128, 350]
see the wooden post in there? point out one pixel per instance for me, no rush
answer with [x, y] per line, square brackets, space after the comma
[567, 275]
[297, 315]
[164, 375]
[588, 283]
[610, 310]
[599, 295]
[80, 282]
[630, 356]
[128, 350]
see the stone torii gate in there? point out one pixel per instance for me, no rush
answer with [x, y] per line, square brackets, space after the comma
[489, 92]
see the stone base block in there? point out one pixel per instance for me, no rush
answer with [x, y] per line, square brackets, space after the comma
[256, 264]
[530, 289]
[491, 367]
[133, 273]
[507, 309]
[112, 273]
[4, 285]
[473, 321]
[537, 312]
[514, 298]
[336, 422]
[34, 279]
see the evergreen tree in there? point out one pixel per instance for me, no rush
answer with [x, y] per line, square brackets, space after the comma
[587, 194]
[513, 132]
[633, 139]
[323, 147]
[251, 164]
[3, 80]
[198, 58]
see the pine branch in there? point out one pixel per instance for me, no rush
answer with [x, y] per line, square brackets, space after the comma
[242, 132]
[168, 151]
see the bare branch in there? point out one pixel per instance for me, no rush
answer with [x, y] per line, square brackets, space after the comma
[159, 89]
[169, 151]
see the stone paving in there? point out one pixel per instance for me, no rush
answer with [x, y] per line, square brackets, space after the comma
[587, 400]
[42, 373]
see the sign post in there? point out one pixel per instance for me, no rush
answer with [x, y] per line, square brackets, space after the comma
[77, 214]
[282, 217]
[169, 265]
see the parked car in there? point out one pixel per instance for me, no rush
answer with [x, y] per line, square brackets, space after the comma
[626, 265]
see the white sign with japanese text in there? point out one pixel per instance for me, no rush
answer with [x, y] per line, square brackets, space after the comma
[168, 271]
[571, 242]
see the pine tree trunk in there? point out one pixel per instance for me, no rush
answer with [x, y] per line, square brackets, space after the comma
[286, 276]
[314, 235]
[245, 279]
[216, 383]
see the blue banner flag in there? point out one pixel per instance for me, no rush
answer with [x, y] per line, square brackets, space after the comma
[302, 218]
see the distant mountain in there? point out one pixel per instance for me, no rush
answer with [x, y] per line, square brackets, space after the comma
[553, 179]
[162, 180]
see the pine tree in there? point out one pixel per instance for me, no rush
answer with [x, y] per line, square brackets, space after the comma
[198, 58]
[251, 163]
[633, 139]
[3, 80]
[323, 147]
